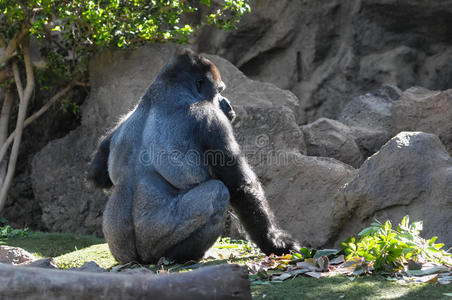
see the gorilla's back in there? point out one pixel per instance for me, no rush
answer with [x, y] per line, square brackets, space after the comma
[173, 147]
[125, 146]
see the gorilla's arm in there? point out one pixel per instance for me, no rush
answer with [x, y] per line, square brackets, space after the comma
[226, 107]
[247, 195]
[98, 168]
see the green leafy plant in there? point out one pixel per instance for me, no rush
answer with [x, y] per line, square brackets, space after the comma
[389, 249]
[303, 253]
[7, 231]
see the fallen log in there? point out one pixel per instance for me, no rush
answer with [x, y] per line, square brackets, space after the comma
[215, 282]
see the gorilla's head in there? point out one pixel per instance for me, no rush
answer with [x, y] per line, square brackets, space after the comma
[196, 79]
[195, 73]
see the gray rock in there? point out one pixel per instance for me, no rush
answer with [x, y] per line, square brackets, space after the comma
[420, 109]
[45, 263]
[58, 174]
[89, 266]
[330, 138]
[396, 65]
[119, 78]
[370, 118]
[410, 175]
[138, 271]
[266, 132]
[241, 90]
[15, 255]
[300, 190]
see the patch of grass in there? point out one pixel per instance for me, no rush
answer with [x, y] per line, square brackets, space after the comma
[98, 253]
[71, 250]
[340, 287]
[43, 244]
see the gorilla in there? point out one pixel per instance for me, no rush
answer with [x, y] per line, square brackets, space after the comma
[175, 167]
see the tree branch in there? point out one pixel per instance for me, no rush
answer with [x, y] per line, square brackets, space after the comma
[18, 81]
[11, 49]
[23, 105]
[214, 282]
[34, 116]
[4, 120]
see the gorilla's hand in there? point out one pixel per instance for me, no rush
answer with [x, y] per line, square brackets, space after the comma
[283, 243]
[226, 107]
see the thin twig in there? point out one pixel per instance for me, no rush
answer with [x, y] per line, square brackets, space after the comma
[80, 83]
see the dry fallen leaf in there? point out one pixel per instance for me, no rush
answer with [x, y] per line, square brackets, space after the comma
[428, 270]
[315, 274]
[338, 260]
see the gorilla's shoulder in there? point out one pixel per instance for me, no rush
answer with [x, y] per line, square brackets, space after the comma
[207, 112]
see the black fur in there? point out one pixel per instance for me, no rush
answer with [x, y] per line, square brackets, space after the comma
[175, 165]
[98, 171]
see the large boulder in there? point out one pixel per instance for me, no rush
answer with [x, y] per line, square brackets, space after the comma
[245, 91]
[330, 138]
[419, 109]
[264, 133]
[301, 191]
[15, 255]
[118, 80]
[370, 118]
[411, 174]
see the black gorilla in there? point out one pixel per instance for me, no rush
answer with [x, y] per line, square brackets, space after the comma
[175, 165]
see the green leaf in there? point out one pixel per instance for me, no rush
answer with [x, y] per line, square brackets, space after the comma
[405, 221]
[326, 252]
[305, 252]
[438, 246]
[387, 225]
[369, 257]
[297, 256]
[368, 231]
[432, 240]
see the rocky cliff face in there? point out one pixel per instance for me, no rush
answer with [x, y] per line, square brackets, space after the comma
[327, 52]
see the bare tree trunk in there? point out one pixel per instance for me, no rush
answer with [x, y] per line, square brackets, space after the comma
[4, 120]
[34, 116]
[214, 282]
[23, 105]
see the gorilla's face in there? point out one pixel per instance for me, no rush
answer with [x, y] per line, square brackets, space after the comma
[206, 87]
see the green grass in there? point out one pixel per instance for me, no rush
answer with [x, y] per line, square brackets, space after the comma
[43, 244]
[340, 287]
[71, 250]
[68, 250]
[98, 253]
